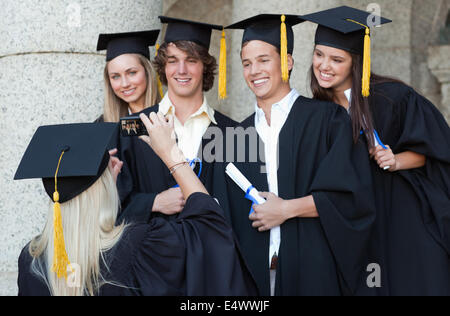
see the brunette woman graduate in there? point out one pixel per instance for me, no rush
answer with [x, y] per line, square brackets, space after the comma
[409, 143]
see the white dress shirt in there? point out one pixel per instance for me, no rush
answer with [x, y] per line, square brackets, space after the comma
[191, 133]
[269, 135]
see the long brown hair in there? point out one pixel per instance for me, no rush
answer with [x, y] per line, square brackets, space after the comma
[114, 107]
[361, 115]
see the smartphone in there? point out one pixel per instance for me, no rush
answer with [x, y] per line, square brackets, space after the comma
[132, 126]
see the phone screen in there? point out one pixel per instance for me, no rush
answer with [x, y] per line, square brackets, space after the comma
[132, 126]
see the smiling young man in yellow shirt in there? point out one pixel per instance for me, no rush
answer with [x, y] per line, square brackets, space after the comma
[185, 66]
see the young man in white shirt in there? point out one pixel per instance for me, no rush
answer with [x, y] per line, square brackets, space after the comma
[309, 237]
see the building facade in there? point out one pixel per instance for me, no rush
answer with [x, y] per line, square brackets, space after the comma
[50, 73]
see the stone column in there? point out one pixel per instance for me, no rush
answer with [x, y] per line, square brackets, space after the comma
[50, 73]
[439, 65]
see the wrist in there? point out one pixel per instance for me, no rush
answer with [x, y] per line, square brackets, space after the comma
[173, 158]
[304, 207]
[155, 208]
[287, 209]
[396, 165]
[178, 166]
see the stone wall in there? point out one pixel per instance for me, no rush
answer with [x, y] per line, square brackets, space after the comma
[50, 73]
[439, 63]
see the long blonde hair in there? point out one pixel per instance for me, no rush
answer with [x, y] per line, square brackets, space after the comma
[114, 107]
[89, 231]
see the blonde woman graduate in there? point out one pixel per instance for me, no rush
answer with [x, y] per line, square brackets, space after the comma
[82, 252]
[130, 82]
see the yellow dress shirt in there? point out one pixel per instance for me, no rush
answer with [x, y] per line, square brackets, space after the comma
[190, 134]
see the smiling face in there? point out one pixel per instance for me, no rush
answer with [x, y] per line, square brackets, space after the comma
[332, 68]
[128, 78]
[262, 71]
[184, 73]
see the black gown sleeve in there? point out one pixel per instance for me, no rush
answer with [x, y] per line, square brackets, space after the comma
[343, 195]
[158, 267]
[136, 206]
[28, 283]
[424, 130]
[214, 265]
[194, 255]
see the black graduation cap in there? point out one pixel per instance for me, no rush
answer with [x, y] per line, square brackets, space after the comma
[127, 43]
[185, 30]
[275, 29]
[348, 29]
[85, 157]
[343, 27]
[266, 27]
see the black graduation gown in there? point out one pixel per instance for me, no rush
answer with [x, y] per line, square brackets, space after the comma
[114, 138]
[144, 175]
[411, 240]
[194, 255]
[318, 256]
[99, 119]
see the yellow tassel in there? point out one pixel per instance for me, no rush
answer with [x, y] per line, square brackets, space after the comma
[283, 51]
[366, 61]
[366, 65]
[223, 68]
[160, 86]
[60, 258]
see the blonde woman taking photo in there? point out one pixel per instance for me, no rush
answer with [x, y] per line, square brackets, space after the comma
[81, 251]
[129, 77]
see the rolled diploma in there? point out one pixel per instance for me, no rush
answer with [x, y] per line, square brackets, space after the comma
[242, 182]
[379, 142]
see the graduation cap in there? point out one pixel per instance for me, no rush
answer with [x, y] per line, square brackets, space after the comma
[200, 33]
[69, 158]
[127, 43]
[275, 29]
[348, 29]
[185, 30]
